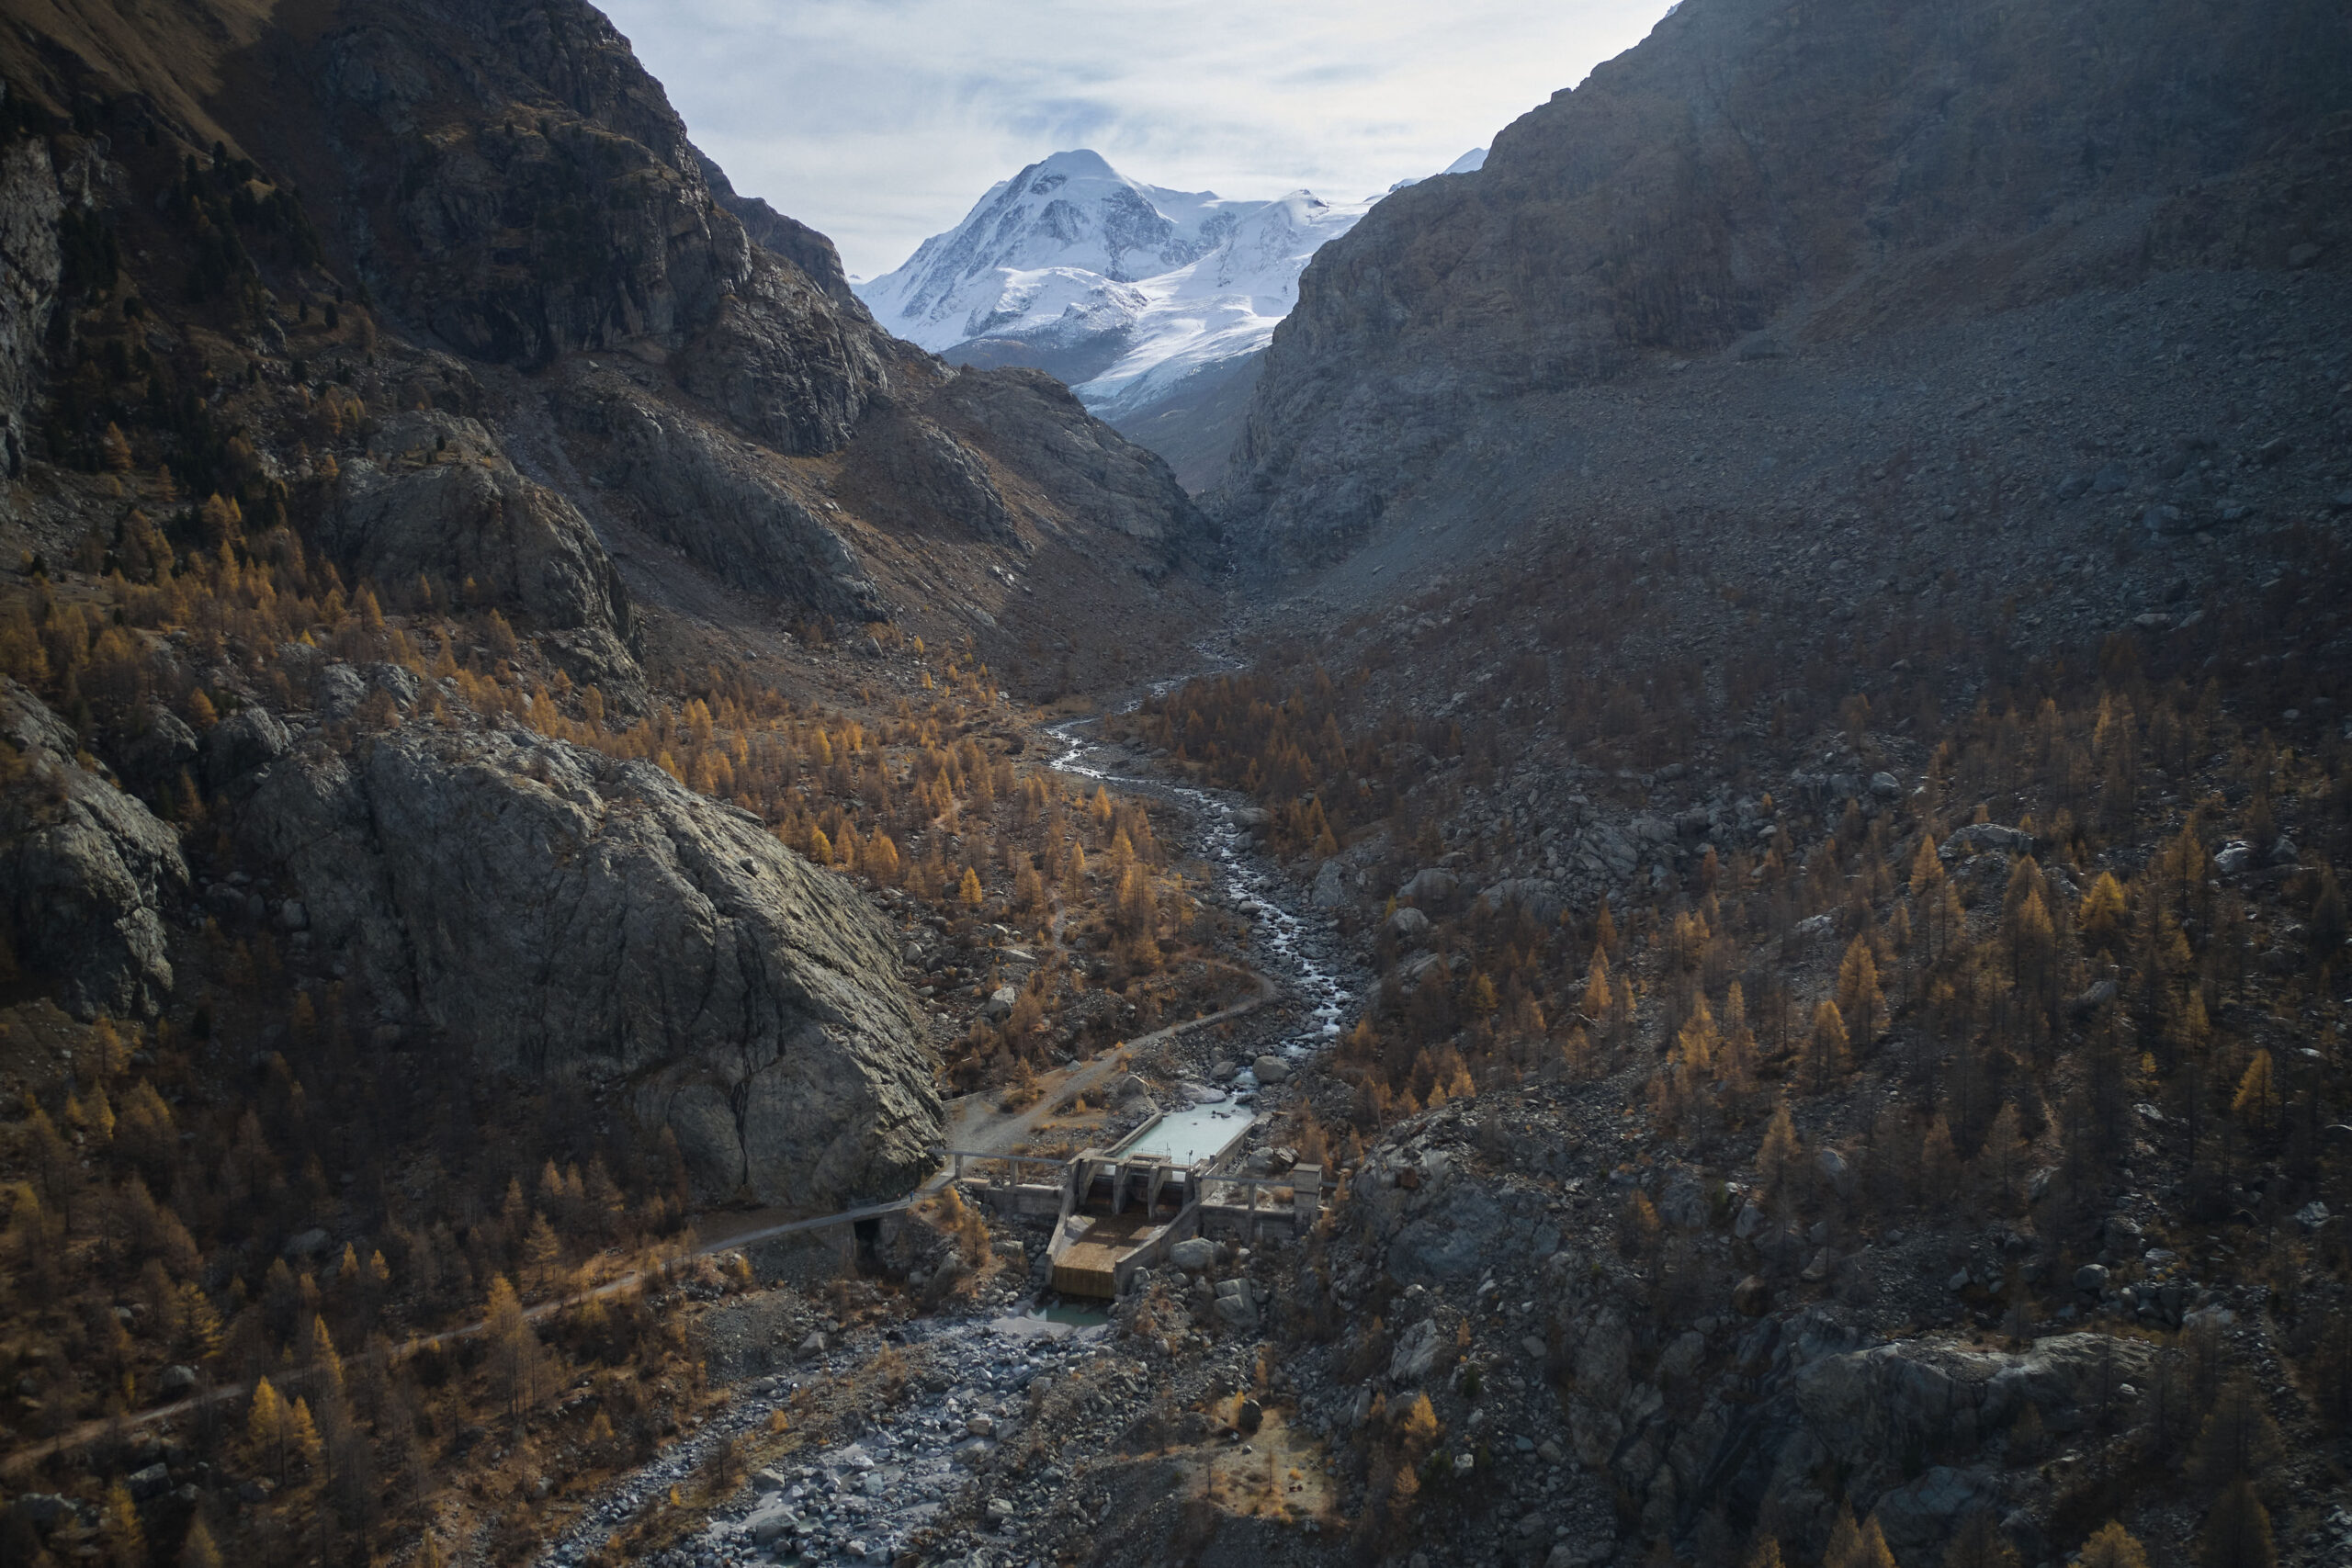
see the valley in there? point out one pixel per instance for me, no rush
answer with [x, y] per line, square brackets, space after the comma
[1722, 740]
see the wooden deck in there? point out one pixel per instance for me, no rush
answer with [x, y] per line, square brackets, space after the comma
[1086, 1267]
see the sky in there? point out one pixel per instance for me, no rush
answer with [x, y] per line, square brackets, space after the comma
[882, 122]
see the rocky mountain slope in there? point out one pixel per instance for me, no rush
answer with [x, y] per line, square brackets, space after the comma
[1764, 182]
[1774, 821]
[518, 353]
[513, 190]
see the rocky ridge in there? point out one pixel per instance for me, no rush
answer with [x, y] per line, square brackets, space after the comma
[1799, 220]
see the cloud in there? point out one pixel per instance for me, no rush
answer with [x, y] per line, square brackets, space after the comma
[881, 121]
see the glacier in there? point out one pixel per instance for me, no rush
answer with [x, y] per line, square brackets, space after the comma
[1126, 290]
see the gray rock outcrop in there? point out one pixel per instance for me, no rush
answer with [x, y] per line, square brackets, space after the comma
[29, 207]
[746, 522]
[87, 869]
[443, 501]
[561, 914]
[1071, 464]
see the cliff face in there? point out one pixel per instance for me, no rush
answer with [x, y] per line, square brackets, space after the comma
[29, 207]
[87, 867]
[510, 177]
[1761, 175]
[597, 921]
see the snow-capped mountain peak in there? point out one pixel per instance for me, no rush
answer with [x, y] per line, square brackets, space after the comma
[1070, 212]
[1126, 290]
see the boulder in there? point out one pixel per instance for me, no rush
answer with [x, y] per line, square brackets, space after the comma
[247, 741]
[1540, 898]
[176, 1381]
[1415, 1354]
[1751, 1297]
[2092, 998]
[336, 689]
[156, 753]
[1431, 885]
[1409, 925]
[1193, 1254]
[1330, 890]
[86, 870]
[44, 1511]
[1451, 1240]
[1684, 1205]
[1271, 1069]
[1978, 836]
[566, 916]
[308, 1244]
[1000, 1003]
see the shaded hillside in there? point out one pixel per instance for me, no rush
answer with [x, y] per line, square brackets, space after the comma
[1759, 175]
[505, 184]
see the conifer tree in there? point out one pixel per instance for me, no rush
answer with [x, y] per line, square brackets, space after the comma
[1826, 1053]
[1859, 1003]
[267, 1430]
[1939, 1166]
[2238, 1439]
[2237, 1531]
[125, 1542]
[2255, 1104]
[2000, 1163]
[196, 1549]
[542, 1255]
[1845, 1549]
[2102, 922]
[1777, 1157]
[1598, 1001]
[2112, 1546]
[303, 1434]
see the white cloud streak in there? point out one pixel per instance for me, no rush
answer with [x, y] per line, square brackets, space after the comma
[881, 121]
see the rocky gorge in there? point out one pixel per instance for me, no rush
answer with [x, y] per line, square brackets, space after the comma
[1748, 762]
